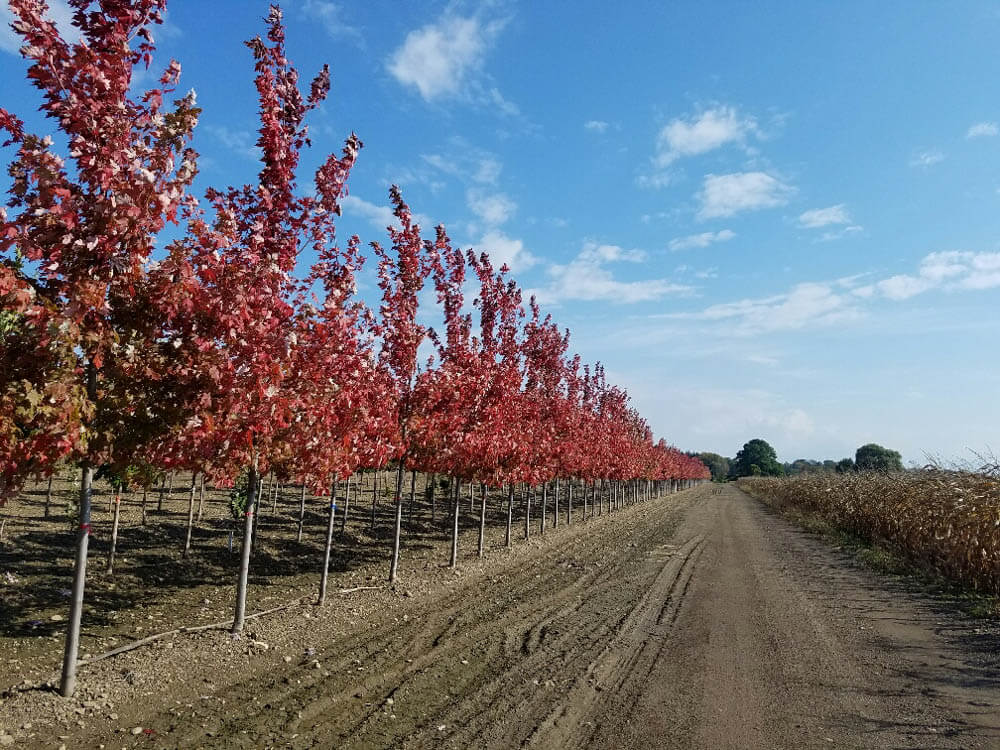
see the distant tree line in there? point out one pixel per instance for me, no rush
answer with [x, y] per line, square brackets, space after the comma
[758, 458]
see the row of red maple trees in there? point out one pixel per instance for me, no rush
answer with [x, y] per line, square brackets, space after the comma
[226, 353]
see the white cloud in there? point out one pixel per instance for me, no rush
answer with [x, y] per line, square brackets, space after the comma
[466, 162]
[492, 209]
[59, 13]
[597, 126]
[439, 58]
[699, 134]
[379, 216]
[808, 303]
[822, 217]
[331, 16]
[927, 158]
[728, 194]
[903, 287]
[586, 278]
[983, 129]
[950, 270]
[700, 240]
[506, 250]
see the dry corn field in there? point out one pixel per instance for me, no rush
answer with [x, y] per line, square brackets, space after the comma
[948, 521]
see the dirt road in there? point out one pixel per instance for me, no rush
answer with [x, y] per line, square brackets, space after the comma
[697, 621]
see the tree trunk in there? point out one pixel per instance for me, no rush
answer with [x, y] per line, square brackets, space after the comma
[527, 513]
[569, 502]
[48, 496]
[201, 498]
[482, 521]
[302, 512]
[329, 538]
[544, 513]
[274, 505]
[454, 523]
[374, 497]
[347, 505]
[413, 493]
[68, 682]
[163, 489]
[397, 531]
[433, 498]
[190, 526]
[510, 513]
[114, 533]
[145, 493]
[248, 527]
[258, 498]
[555, 506]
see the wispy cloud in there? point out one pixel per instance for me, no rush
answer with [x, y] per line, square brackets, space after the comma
[729, 194]
[692, 135]
[821, 303]
[504, 250]
[806, 304]
[242, 142]
[983, 130]
[951, 270]
[596, 126]
[823, 217]
[466, 162]
[439, 58]
[701, 133]
[493, 209]
[331, 17]
[379, 216]
[837, 217]
[927, 158]
[587, 278]
[700, 240]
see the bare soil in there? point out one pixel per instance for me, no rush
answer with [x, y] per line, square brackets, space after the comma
[699, 620]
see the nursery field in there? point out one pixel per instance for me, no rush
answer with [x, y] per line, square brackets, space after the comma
[701, 619]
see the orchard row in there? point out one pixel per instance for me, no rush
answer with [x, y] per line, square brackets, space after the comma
[232, 356]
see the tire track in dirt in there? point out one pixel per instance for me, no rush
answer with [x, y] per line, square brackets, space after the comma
[531, 616]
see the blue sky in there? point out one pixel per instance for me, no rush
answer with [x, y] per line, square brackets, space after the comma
[773, 220]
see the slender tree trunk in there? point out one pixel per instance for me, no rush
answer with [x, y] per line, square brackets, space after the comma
[347, 505]
[555, 508]
[163, 489]
[258, 499]
[583, 491]
[248, 527]
[527, 513]
[274, 505]
[329, 538]
[302, 512]
[569, 502]
[201, 498]
[374, 497]
[433, 498]
[454, 522]
[482, 520]
[114, 532]
[510, 513]
[398, 530]
[48, 496]
[544, 513]
[190, 525]
[413, 493]
[145, 493]
[68, 682]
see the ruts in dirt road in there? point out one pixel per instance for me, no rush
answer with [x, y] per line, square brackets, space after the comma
[700, 620]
